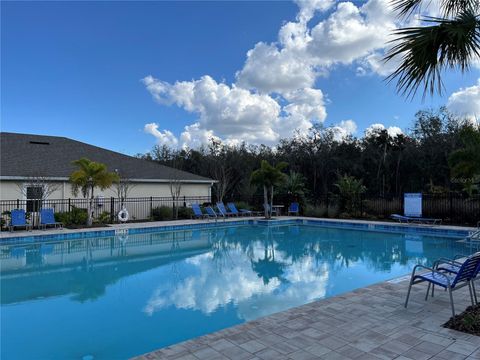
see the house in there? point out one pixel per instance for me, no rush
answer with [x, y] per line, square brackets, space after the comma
[24, 159]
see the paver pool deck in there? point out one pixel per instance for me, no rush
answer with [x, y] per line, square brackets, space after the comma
[367, 323]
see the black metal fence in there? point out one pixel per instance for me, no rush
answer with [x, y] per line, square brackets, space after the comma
[452, 208]
[104, 210]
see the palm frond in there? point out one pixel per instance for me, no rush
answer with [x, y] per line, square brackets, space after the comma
[427, 51]
[406, 7]
[456, 7]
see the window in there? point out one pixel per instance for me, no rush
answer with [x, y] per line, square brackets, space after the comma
[34, 198]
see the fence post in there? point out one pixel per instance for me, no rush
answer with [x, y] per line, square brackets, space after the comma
[151, 205]
[451, 206]
[18, 203]
[112, 208]
[184, 201]
[69, 205]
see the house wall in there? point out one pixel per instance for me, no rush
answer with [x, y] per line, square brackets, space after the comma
[138, 209]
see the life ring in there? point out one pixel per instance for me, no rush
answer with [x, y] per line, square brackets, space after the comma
[123, 215]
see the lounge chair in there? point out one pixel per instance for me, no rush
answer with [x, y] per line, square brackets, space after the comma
[197, 212]
[222, 210]
[467, 271]
[212, 213]
[415, 219]
[243, 212]
[47, 218]
[294, 208]
[18, 219]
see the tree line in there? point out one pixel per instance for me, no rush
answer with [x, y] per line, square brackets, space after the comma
[439, 153]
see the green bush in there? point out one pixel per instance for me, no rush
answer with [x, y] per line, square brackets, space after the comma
[76, 216]
[103, 218]
[161, 213]
[315, 211]
[185, 212]
[242, 205]
[333, 211]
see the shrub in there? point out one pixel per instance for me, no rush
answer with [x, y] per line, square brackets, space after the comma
[185, 212]
[161, 213]
[315, 211]
[76, 216]
[242, 205]
[103, 218]
[333, 211]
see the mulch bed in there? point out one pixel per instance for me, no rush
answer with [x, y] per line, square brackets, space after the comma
[467, 322]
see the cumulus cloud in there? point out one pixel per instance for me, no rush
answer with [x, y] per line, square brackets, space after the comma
[374, 129]
[235, 114]
[164, 137]
[344, 129]
[274, 93]
[466, 102]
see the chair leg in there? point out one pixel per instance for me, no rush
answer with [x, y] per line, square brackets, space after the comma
[408, 293]
[470, 290]
[474, 292]
[433, 289]
[451, 300]
[428, 290]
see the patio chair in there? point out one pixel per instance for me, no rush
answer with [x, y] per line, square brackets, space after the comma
[212, 213]
[243, 212]
[197, 212]
[415, 219]
[222, 210]
[47, 218]
[18, 219]
[449, 281]
[294, 208]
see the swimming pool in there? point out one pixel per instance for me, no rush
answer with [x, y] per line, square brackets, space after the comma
[120, 296]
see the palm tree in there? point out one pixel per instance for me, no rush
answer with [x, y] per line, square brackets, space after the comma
[350, 190]
[447, 42]
[268, 176]
[294, 185]
[465, 162]
[89, 176]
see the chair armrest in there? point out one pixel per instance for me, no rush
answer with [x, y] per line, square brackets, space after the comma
[443, 260]
[430, 269]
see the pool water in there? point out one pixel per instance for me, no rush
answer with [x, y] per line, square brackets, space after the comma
[116, 297]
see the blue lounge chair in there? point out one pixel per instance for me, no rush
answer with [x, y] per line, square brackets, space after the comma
[415, 219]
[212, 213]
[222, 210]
[18, 219]
[197, 212]
[294, 208]
[47, 218]
[449, 281]
[243, 212]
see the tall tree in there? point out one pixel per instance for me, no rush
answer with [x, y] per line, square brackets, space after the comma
[451, 41]
[87, 177]
[268, 176]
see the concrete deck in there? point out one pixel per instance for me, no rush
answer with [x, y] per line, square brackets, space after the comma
[368, 323]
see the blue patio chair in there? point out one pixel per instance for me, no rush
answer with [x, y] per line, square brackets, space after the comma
[449, 281]
[47, 218]
[211, 212]
[222, 210]
[294, 208]
[18, 219]
[243, 212]
[197, 212]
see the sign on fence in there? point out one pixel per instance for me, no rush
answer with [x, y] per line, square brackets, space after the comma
[412, 204]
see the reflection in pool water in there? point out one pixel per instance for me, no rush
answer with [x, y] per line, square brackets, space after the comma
[116, 297]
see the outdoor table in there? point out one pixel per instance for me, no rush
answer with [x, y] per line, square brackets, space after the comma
[278, 208]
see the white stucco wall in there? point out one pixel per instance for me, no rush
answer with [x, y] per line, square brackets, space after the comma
[138, 209]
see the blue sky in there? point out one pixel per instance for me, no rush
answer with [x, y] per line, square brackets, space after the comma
[75, 69]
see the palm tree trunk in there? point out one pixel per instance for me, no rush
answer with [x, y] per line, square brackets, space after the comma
[271, 200]
[265, 202]
[90, 209]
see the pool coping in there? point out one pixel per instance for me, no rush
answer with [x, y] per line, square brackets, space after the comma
[146, 227]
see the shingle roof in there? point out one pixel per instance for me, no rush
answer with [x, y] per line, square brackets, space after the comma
[24, 155]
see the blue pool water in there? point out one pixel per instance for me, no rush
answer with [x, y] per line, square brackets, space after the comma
[116, 297]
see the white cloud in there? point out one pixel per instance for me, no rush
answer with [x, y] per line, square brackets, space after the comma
[466, 102]
[374, 129]
[344, 129]
[164, 137]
